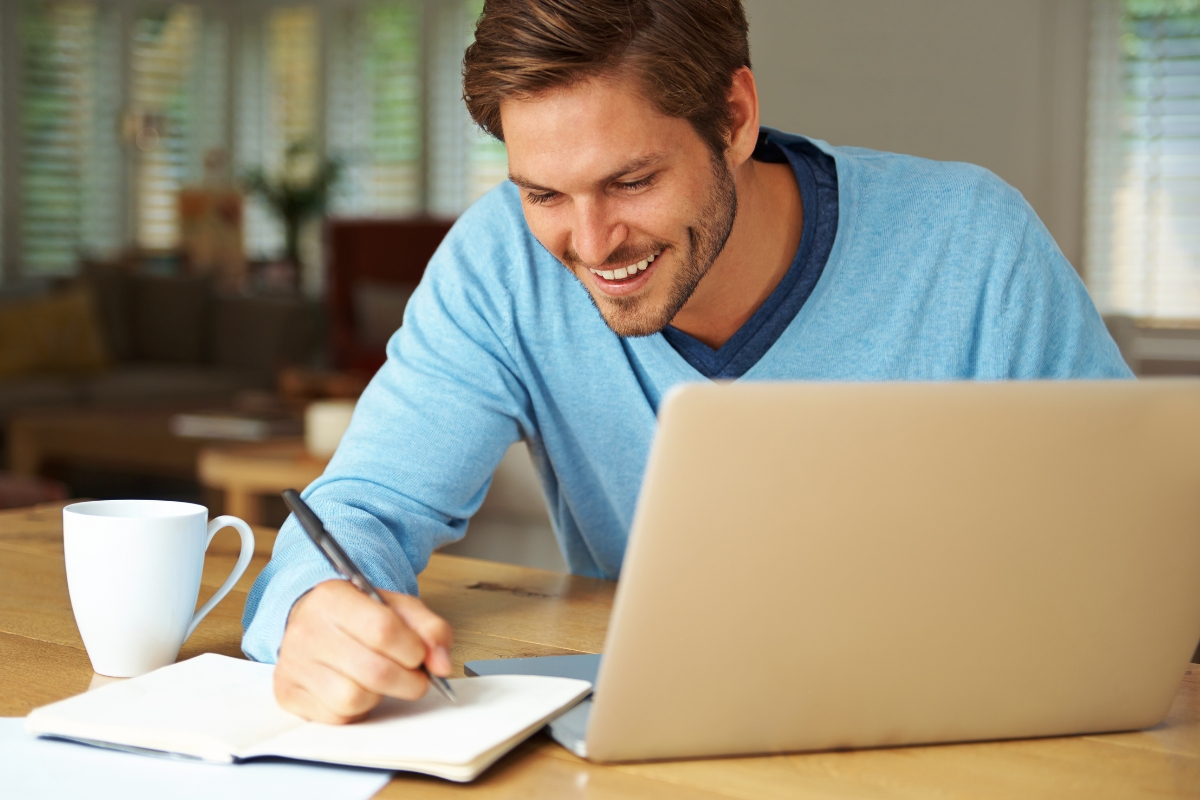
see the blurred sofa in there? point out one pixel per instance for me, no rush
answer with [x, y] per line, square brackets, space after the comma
[115, 337]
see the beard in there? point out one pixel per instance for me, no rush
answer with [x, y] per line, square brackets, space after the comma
[706, 238]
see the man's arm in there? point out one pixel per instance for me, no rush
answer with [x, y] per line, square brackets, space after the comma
[412, 468]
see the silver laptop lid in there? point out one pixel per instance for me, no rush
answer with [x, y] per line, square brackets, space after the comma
[817, 566]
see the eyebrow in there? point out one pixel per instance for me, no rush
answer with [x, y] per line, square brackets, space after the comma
[635, 165]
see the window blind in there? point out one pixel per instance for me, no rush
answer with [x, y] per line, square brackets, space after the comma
[464, 162]
[70, 152]
[121, 101]
[277, 106]
[102, 233]
[373, 117]
[178, 77]
[293, 52]
[3, 232]
[487, 158]
[1142, 251]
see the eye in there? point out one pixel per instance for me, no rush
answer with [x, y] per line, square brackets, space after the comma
[641, 183]
[540, 198]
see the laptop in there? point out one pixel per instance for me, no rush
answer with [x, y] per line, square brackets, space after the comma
[815, 566]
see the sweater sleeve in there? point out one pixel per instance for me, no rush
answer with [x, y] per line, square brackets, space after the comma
[426, 434]
[1043, 324]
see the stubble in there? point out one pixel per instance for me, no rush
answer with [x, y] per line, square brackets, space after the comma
[707, 235]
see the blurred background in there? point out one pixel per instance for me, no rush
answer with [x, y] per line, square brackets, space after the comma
[212, 213]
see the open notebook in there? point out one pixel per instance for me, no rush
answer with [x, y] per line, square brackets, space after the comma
[223, 709]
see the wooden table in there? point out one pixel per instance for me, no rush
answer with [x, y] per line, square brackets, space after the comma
[500, 611]
[246, 471]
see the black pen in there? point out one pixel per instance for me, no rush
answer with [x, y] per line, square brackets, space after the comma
[341, 562]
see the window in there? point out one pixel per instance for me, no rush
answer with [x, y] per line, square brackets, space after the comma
[70, 154]
[375, 100]
[276, 92]
[3, 67]
[1143, 241]
[464, 162]
[177, 71]
[124, 102]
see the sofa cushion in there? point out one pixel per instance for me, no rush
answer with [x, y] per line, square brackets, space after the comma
[264, 334]
[111, 286]
[55, 333]
[171, 319]
[167, 383]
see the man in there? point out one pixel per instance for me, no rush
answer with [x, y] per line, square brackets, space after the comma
[696, 245]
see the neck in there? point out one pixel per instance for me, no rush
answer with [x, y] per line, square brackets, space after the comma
[760, 249]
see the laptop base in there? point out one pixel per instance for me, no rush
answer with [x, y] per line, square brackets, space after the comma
[570, 728]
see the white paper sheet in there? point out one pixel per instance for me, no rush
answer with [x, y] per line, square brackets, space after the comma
[33, 769]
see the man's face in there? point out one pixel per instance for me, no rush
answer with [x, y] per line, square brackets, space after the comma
[633, 202]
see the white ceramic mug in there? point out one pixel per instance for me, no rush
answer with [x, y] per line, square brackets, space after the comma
[133, 572]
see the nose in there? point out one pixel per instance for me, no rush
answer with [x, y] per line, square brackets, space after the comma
[596, 232]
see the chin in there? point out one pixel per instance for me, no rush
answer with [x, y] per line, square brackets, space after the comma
[646, 311]
[631, 317]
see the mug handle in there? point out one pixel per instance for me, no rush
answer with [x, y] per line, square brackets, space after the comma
[240, 567]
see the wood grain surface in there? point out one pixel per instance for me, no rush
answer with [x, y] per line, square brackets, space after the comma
[500, 611]
[247, 471]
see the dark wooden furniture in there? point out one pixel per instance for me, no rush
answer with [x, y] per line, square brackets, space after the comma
[374, 250]
[134, 440]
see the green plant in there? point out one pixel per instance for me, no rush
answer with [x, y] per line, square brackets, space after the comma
[299, 191]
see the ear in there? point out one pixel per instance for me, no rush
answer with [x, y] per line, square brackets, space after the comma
[743, 107]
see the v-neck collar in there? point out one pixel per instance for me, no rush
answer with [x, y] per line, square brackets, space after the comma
[667, 367]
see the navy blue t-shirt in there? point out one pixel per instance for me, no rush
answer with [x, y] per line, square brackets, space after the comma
[816, 175]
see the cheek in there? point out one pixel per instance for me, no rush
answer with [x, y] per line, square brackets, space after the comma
[553, 230]
[657, 216]
[674, 207]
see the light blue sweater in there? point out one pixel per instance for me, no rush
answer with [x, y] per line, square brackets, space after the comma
[939, 272]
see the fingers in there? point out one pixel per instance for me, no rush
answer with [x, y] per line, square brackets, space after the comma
[375, 627]
[373, 672]
[294, 695]
[342, 652]
[434, 632]
[307, 685]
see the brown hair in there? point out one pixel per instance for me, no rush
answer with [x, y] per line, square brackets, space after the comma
[684, 53]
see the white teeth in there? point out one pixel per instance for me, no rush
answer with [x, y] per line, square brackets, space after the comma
[625, 272]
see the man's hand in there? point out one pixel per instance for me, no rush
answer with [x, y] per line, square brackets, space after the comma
[342, 652]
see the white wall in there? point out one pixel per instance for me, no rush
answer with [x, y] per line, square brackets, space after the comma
[1000, 83]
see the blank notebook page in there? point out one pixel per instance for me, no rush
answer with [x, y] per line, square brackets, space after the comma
[490, 711]
[211, 706]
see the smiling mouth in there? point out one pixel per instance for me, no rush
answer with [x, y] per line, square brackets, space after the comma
[625, 273]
